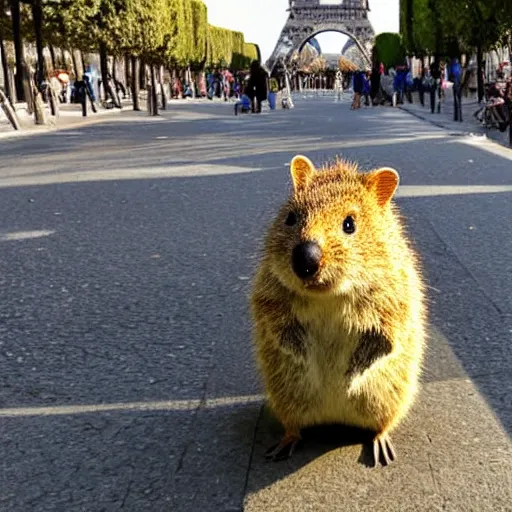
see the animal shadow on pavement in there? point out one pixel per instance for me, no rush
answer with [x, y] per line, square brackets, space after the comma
[316, 441]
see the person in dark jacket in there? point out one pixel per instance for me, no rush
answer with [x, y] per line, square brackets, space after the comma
[435, 90]
[366, 87]
[455, 75]
[257, 86]
[358, 89]
[375, 84]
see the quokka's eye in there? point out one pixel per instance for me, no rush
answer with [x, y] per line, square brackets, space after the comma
[291, 220]
[349, 225]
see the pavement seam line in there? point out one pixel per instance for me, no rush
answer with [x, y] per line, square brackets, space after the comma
[251, 456]
[200, 406]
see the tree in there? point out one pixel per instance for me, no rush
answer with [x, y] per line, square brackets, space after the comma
[389, 49]
[251, 52]
[319, 65]
[220, 47]
[174, 33]
[199, 34]
[37, 16]
[4, 30]
[407, 24]
[478, 24]
[237, 51]
[18, 48]
[306, 56]
[144, 32]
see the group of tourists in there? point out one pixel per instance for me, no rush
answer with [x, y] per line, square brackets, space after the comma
[366, 83]
[378, 87]
[254, 91]
[227, 85]
[361, 87]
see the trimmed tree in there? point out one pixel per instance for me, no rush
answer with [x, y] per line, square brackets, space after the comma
[389, 49]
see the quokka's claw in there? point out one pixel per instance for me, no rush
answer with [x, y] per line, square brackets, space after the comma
[283, 450]
[383, 449]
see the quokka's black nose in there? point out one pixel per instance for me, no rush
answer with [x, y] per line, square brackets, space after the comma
[306, 259]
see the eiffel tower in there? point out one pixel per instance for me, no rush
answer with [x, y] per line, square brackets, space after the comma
[309, 18]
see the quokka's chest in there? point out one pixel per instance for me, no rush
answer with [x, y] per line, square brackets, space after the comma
[330, 344]
[327, 380]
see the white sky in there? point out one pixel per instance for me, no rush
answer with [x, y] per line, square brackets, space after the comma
[262, 20]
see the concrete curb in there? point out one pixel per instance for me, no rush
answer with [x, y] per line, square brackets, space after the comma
[463, 132]
[100, 116]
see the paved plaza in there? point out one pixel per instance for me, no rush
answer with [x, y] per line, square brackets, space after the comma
[127, 380]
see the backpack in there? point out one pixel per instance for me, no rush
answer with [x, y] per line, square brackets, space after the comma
[454, 73]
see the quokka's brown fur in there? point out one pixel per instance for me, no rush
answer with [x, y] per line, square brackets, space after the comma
[346, 346]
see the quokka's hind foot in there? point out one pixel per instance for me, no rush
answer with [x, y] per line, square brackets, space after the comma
[285, 448]
[383, 450]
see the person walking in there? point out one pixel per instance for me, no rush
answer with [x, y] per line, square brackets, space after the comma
[454, 75]
[435, 89]
[375, 84]
[366, 88]
[358, 89]
[421, 85]
[257, 90]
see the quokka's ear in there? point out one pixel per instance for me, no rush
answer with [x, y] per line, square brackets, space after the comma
[301, 169]
[383, 183]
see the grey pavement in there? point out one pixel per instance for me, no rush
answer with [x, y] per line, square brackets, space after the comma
[127, 380]
[70, 114]
[444, 119]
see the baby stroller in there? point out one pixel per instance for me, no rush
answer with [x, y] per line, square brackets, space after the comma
[244, 105]
[494, 114]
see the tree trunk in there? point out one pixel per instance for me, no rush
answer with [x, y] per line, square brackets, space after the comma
[54, 58]
[135, 83]
[142, 75]
[5, 67]
[162, 88]
[104, 70]
[154, 98]
[53, 100]
[39, 110]
[127, 72]
[480, 78]
[28, 87]
[114, 71]
[192, 82]
[37, 15]
[9, 111]
[36, 99]
[107, 88]
[75, 65]
[18, 48]
[83, 62]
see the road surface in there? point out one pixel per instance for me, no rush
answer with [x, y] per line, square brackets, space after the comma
[126, 375]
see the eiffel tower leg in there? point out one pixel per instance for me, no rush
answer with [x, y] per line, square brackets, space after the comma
[287, 42]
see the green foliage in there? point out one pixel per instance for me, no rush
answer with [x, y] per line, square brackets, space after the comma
[220, 44]
[200, 32]
[5, 21]
[250, 53]
[169, 32]
[237, 49]
[449, 28]
[72, 23]
[181, 43]
[389, 49]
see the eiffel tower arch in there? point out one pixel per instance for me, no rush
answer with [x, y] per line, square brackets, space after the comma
[309, 18]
